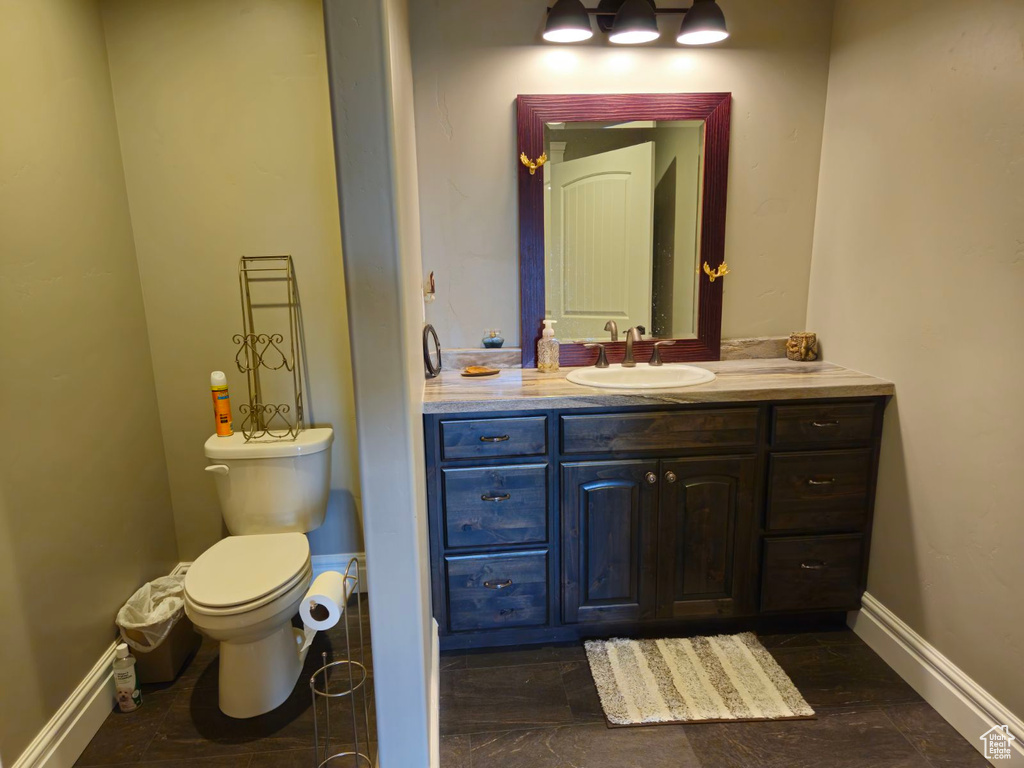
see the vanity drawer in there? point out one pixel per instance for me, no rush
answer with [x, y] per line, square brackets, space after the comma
[659, 431]
[487, 506]
[803, 425]
[497, 591]
[483, 438]
[824, 490]
[808, 572]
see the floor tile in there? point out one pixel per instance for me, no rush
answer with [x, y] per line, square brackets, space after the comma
[125, 736]
[581, 692]
[519, 655]
[303, 758]
[843, 676]
[455, 752]
[585, 746]
[793, 640]
[934, 738]
[502, 698]
[453, 660]
[864, 739]
[196, 726]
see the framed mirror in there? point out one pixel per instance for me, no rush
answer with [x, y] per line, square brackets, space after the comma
[622, 222]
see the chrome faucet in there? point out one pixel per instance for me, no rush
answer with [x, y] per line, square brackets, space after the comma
[633, 335]
[612, 326]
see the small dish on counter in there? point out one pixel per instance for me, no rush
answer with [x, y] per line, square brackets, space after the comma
[479, 371]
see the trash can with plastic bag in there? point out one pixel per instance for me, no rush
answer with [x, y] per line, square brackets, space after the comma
[154, 625]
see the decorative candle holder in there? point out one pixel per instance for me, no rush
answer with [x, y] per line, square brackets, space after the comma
[802, 346]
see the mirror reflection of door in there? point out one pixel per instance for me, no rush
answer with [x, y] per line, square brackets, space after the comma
[601, 240]
[622, 227]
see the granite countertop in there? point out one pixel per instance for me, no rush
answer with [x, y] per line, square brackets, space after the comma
[738, 381]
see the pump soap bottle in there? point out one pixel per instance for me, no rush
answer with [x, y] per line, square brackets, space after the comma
[547, 349]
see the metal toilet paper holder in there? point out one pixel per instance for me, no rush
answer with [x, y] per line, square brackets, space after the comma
[343, 679]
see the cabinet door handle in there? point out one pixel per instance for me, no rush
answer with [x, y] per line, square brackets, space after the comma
[494, 439]
[813, 565]
[670, 477]
[833, 423]
[496, 496]
[498, 584]
[651, 478]
[826, 481]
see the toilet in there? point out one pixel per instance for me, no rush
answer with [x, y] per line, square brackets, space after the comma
[245, 589]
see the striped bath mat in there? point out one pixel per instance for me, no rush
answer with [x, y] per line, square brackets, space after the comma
[693, 680]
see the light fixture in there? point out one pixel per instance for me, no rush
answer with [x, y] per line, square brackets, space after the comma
[629, 22]
[635, 23]
[704, 23]
[568, 22]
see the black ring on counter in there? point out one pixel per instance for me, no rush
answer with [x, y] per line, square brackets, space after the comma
[431, 369]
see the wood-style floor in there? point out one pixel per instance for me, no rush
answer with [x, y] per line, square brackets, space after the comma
[538, 708]
[180, 726]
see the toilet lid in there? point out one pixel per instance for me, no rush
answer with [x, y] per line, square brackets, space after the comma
[242, 569]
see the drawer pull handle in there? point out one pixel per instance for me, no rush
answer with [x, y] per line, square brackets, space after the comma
[670, 477]
[495, 439]
[826, 481]
[498, 584]
[813, 565]
[833, 423]
[651, 478]
[496, 496]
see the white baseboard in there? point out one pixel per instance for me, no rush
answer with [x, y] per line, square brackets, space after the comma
[69, 731]
[340, 562]
[968, 707]
[435, 696]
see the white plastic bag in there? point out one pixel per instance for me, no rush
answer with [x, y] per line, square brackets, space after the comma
[150, 614]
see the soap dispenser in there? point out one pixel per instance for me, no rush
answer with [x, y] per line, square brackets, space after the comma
[547, 349]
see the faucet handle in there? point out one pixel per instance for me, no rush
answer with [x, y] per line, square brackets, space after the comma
[602, 358]
[613, 327]
[655, 355]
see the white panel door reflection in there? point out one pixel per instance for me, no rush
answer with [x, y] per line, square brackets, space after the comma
[600, 238]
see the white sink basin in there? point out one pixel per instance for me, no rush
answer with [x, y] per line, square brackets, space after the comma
[668, 376]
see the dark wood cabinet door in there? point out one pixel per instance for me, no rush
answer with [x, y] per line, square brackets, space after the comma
[706, 533]
[609, 520]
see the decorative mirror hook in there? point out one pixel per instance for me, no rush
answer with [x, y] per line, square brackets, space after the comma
[720, 271]
[533, 165]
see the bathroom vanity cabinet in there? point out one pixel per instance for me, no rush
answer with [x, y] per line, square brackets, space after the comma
[562, 523]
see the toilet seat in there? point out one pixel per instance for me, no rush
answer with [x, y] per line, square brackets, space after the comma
[243, 573]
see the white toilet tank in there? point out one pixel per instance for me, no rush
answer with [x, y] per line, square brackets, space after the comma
[272, 486]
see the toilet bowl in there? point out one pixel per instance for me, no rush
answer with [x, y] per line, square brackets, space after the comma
[243, 592]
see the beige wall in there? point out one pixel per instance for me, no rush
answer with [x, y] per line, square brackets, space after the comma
[466, 81]
[918, 276]
[225, 127]
[85, 511]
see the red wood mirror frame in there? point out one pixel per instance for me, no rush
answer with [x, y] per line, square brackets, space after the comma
[533, 112]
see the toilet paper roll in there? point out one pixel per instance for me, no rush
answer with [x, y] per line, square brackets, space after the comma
[324, 603]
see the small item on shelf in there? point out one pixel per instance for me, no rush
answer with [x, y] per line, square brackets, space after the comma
[547, 349]
[802, 346]
[493, 339]
[475, 371]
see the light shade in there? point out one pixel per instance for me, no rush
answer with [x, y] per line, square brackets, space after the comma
[568, 22]
[635, 23]
[704, 23]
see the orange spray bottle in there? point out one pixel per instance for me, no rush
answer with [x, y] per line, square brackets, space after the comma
[221, 404]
